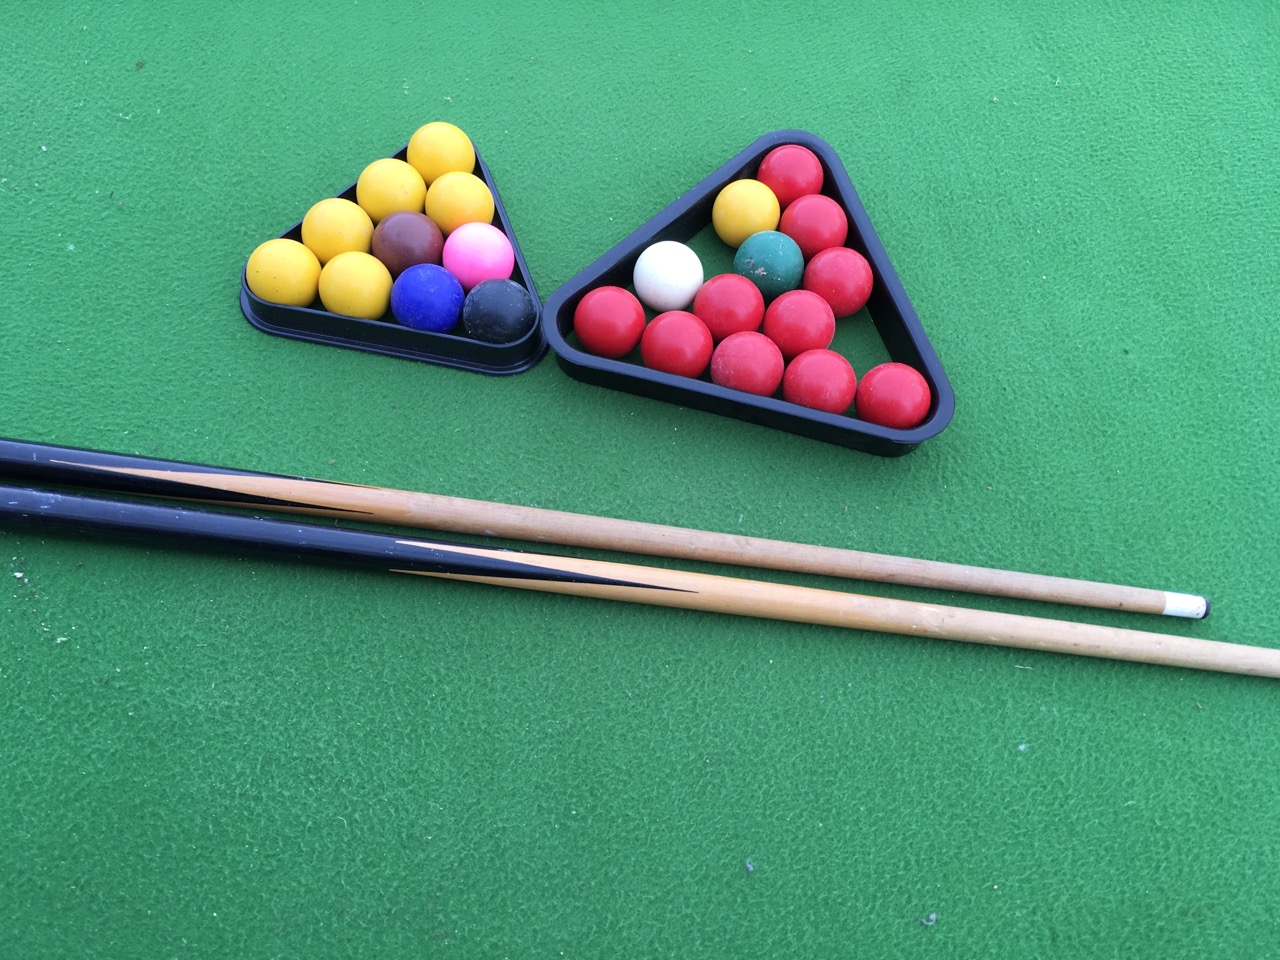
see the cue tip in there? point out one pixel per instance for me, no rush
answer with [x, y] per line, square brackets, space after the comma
[1186, 605]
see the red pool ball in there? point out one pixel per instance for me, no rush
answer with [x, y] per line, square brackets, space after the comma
[676, 342]
[790, 171]
[815, 222]
[799, 320]
[748, 361]
[821, 379]
[729, 303]
[842, 277]
[609, 322]
[893, 395]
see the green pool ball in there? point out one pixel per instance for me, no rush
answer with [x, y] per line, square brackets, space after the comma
[772, 261]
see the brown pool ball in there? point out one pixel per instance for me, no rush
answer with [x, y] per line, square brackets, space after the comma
[406, 238]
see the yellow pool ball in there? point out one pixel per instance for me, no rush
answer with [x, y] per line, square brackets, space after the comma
[742, 208]
[388, 185]
[439, 148]
[355, 284]
[283, 271]
[334, 226]
[456, 198]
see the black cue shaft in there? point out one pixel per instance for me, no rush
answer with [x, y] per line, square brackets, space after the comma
[37, 510]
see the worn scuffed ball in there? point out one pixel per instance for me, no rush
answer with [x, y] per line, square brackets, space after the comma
[772, 261]
[498, 311]
[748, 361]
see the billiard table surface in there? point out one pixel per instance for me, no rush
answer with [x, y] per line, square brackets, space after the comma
[229, 754]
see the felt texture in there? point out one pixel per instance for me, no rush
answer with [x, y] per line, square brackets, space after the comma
[233, 757]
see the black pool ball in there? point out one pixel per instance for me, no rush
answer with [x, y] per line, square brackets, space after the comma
[498, 311]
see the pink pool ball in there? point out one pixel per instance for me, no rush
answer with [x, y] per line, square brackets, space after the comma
[476, 252]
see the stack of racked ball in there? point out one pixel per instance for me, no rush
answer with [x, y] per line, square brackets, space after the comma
[768, 325]
[418, 241]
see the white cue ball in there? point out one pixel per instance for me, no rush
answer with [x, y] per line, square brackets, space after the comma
[667, 275]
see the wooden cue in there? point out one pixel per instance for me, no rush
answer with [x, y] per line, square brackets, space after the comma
[27, 462]
[44, 510]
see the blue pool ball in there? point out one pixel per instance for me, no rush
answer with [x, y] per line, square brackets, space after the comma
[427, 297]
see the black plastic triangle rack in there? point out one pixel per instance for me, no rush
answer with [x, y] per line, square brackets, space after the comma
[897, 331]
[385, 336]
